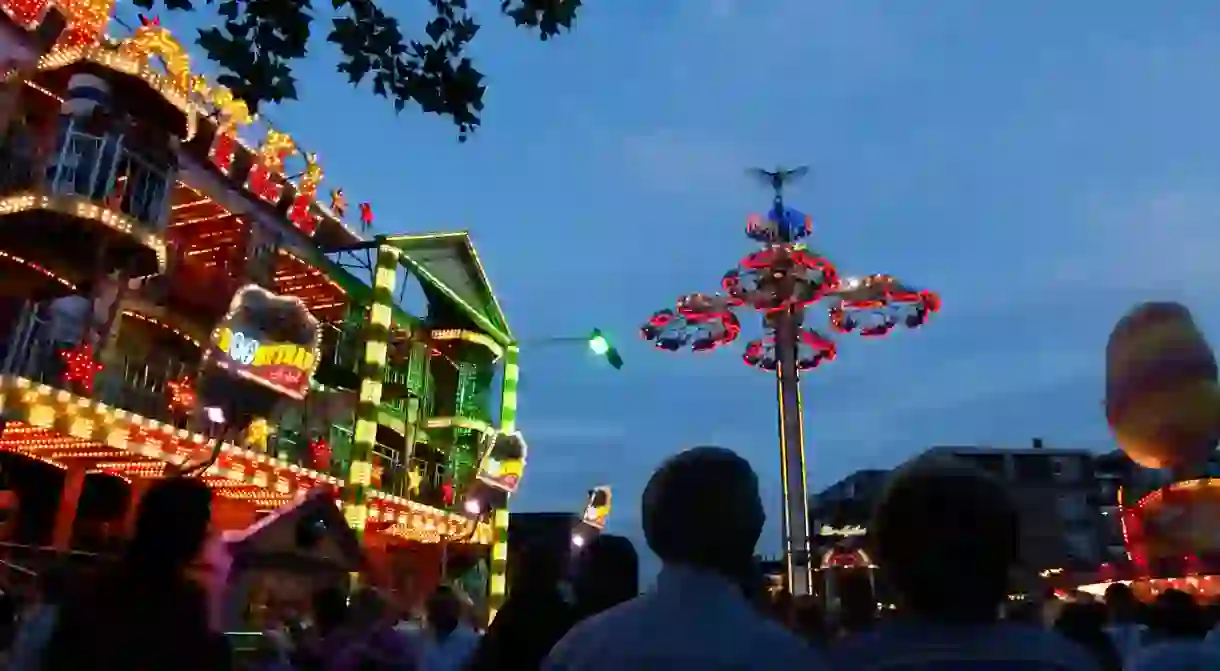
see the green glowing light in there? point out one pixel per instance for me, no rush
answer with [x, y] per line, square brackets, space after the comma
[600, 345]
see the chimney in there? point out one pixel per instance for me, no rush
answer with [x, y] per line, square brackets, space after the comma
[1038, 444]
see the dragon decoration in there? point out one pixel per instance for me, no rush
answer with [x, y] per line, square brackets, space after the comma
[783, 275]
[266, 178]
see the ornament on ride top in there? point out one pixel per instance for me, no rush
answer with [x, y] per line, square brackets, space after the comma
[338, 203]
[366, 216]
[1162, 400]
[266, 176]
[319, 454]
[80, 366]
[181, 395]
[301, 211]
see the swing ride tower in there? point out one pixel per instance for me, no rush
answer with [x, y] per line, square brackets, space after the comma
[783, 282]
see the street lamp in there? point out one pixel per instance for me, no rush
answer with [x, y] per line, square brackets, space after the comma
[600, 345]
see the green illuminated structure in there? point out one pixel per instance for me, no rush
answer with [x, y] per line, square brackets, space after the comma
[425, 388]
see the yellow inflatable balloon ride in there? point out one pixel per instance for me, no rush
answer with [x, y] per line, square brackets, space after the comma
[1162, 398]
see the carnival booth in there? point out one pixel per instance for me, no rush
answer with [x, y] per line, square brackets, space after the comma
[284, 558]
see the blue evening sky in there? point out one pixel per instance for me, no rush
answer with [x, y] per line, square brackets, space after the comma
[1041, 164]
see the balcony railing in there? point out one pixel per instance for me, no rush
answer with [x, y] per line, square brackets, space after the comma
[395, 479]
[294, 448]
[343, 349]
[101, 168]
[135, 382]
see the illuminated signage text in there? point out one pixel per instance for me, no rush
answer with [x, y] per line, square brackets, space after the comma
[846, 532]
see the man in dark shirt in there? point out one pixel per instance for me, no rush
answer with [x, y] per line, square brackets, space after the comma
[946, 537]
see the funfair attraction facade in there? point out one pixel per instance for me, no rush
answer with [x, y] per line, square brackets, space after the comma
[238, 325]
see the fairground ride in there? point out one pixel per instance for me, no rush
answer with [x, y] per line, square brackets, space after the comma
[782, 281]
[1162, 402]
[1172, 540]
[175, 295]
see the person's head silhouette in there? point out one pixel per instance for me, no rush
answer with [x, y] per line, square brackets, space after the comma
[1121, 602]
[946, 535]
[171, 524]
[444, 611]
[702, 509]
[607, 573]
[537, 568]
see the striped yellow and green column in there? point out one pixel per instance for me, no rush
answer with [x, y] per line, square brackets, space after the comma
[498, 584]
[376, 335]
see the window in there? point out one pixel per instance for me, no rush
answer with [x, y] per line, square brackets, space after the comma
[1033, 468]
[1065, 469]
[1073, 506]
[1080, 546]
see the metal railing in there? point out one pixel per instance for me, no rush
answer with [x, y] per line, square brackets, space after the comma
[344, 349]
[101, 168]
[138, 383]
[20, 565]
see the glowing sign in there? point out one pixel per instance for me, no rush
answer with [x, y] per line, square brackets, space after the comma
[238, 346]
[268, 339]
[248, 351]
[846, 532]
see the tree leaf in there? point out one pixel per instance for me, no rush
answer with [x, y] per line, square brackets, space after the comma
[257, 43]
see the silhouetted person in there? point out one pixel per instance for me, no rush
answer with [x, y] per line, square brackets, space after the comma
[1085, 625]
[607, 574]
[809, 621]
[39, 620]
[146, 614]
[534, 616]
[1177, 626]
[446, 642]
[702, 516]
[321, 642]
[368, 639]
[946, 537]
[1125, 628]
[1175, 616]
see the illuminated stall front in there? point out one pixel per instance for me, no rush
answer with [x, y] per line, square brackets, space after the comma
[225, 323]
[1172, 537]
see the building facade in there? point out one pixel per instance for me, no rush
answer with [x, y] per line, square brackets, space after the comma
[1056, 492]
[161, 251]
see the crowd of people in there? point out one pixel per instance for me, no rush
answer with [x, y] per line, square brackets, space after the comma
[946, 537]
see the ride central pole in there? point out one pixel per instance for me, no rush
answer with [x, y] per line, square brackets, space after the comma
[785, 325]
[792, 455]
